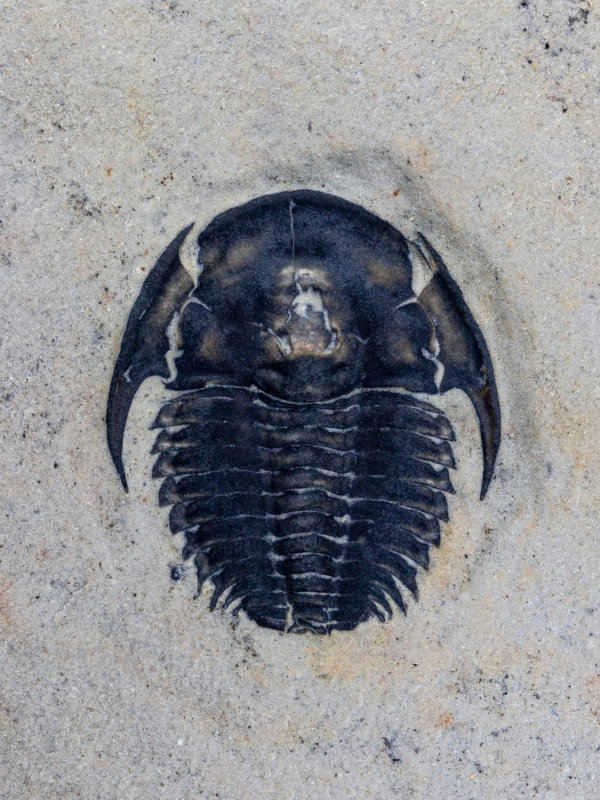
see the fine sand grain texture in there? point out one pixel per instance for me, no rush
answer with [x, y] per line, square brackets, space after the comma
[122, 123]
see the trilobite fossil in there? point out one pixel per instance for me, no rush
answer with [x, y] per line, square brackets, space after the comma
[303, 465]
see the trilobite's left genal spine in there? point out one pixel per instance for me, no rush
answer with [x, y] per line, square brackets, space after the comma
[307, 477]
[145, 343]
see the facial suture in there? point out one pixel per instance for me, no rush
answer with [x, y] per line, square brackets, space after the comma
[302, 465]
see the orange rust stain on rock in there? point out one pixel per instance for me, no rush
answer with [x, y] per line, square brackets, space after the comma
[420, 159]
[571, 300]
[592, 690]
[447, 571]
[7, 619]
[139, 111]
[445, 720]
[348, 658]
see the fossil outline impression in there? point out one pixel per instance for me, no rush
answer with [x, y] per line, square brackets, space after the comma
[299, 333]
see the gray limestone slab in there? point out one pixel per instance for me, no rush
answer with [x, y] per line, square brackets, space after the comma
[121, 123]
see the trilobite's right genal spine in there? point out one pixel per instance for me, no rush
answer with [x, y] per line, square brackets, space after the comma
[315, 507]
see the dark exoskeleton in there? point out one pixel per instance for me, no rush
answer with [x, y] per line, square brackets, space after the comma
[303, 466]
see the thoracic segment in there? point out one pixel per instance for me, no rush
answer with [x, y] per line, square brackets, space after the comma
[309, 517]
